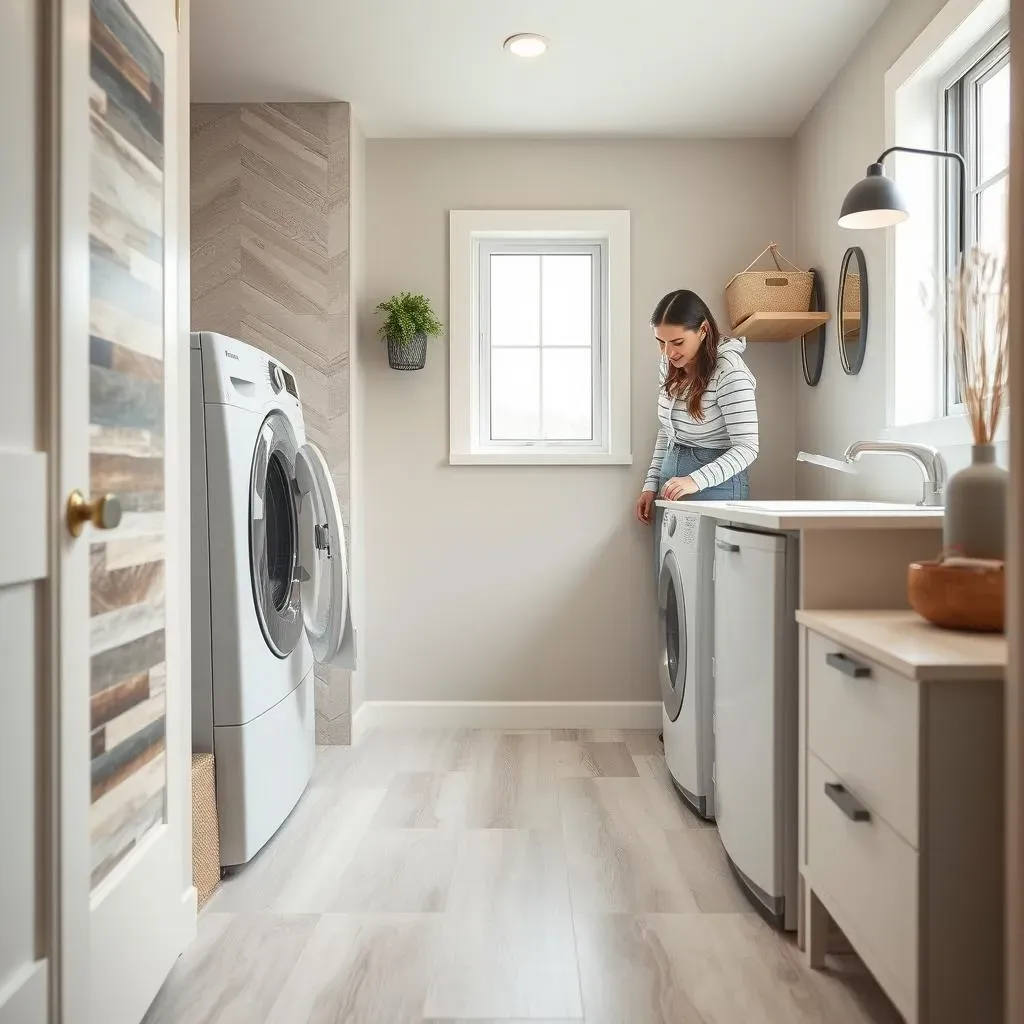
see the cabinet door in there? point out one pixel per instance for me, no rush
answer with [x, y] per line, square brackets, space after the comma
[749, 604]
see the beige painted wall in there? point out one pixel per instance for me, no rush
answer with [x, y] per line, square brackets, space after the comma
[842, 135]
[518, 583]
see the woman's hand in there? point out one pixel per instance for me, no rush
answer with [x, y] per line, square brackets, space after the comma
[678, 488]
[645, 506]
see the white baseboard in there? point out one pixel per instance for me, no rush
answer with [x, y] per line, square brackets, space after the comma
[358, 725]
[483, 714]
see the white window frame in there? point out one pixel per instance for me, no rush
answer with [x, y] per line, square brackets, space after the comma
[960, 133]
[917, 380]
[473, 235]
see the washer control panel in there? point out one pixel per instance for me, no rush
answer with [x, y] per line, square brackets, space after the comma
[281, 380]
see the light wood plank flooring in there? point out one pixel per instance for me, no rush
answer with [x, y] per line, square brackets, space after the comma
[487, 876]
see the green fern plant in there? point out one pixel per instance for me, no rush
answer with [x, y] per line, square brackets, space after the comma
[406, 316]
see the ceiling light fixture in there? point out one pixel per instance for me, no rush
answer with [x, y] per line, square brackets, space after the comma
[526, 44]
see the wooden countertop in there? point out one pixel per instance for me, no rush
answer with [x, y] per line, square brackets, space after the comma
[904, 642]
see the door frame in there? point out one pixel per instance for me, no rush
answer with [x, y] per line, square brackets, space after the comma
[1014, 951]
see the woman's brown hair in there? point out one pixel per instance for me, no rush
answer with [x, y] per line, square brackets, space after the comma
[688, 310]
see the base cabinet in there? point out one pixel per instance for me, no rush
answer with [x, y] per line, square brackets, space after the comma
[903, 817]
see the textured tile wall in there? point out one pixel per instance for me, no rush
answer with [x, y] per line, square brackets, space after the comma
[270, 266]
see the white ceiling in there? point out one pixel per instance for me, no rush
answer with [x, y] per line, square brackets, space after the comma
[719, 68]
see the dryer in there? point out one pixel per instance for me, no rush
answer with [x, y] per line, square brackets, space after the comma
[686, 638]
[269, 586]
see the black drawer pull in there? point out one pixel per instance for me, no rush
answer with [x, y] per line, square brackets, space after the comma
[846, 802]
[848, 666]
[726, 546]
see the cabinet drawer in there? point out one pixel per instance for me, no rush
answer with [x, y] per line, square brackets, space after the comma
[870, 874]
[863, 722]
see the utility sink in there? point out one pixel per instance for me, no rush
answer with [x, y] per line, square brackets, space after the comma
[792, 507]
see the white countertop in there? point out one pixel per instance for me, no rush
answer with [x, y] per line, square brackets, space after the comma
[791, 516]
[903, 642]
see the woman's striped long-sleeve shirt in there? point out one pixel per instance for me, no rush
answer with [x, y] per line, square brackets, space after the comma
[730, 420]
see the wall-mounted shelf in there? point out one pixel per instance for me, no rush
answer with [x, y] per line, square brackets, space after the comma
[779, 326]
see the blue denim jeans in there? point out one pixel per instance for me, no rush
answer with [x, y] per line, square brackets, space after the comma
[682, 460]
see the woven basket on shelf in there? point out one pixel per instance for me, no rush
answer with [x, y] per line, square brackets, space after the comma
[768, 291]
[205, 830]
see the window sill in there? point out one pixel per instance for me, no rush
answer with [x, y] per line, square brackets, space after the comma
[539, 458]
[944, 432]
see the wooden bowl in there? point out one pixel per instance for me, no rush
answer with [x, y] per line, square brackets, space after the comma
[958, 597]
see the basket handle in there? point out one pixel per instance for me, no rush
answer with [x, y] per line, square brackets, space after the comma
[771, 249]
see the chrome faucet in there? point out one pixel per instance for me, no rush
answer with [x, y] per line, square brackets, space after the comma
[928, 459]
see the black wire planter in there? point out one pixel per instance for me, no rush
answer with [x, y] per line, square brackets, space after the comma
[410, 356]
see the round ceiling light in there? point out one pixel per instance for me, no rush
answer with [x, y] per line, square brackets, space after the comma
[526, 44]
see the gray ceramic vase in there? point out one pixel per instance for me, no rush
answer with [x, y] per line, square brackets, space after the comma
[975, 520]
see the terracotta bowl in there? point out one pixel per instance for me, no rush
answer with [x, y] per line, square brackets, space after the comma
[956, 597]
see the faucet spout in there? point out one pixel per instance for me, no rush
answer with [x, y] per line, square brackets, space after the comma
[928, 459]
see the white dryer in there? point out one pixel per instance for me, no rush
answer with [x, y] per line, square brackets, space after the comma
[686, 621]
[269, 586]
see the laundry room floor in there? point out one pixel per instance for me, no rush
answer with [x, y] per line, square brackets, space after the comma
[488, 876]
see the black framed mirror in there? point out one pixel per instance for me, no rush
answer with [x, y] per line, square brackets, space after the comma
[812, 345]
[852, 309]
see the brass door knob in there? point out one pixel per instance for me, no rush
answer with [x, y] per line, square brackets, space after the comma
[104, 513]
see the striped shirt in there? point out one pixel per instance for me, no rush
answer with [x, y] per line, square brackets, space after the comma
[730, 420]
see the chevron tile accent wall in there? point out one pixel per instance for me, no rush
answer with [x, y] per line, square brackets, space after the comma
[270, 266]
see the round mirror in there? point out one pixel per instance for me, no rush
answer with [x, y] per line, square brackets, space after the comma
[812, 345]
[853, 310]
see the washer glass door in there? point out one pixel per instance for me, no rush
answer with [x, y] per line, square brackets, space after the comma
[273, 535]
[672, 621]
[322, 564]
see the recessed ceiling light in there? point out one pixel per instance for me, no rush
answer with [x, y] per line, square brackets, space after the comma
[526, 44]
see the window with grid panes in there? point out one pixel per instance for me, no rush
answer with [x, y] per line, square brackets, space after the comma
[977, 125]
[542, 357]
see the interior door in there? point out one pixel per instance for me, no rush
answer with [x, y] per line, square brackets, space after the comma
[25, 795]
[127, 902]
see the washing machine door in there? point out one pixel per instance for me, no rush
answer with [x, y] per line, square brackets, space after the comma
[273, 535]
[322, 569]
[672, 620]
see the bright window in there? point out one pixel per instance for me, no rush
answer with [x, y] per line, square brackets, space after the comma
[542, 347]
[540, 337]
[948, 90]
[977, 125]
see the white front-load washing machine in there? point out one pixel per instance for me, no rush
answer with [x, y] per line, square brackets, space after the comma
[687, 631]
[269, 586]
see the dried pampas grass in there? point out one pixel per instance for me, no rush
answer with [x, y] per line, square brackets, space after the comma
[978, 293]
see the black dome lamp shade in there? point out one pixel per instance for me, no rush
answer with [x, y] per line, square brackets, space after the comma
[875, 201]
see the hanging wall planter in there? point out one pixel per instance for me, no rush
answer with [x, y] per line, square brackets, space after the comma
[411, 356]
[409, 321]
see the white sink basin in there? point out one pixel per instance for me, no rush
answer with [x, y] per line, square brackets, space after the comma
[792, 507]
